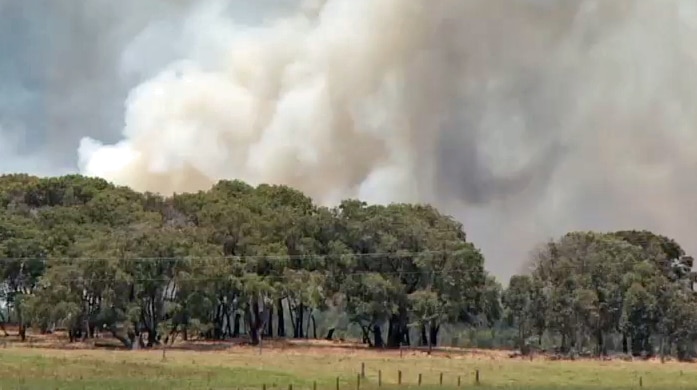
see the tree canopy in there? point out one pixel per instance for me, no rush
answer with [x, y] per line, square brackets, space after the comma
[240, 261]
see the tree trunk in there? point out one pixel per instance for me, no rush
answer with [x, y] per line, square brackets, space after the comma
[430, 346]
[403, 326]
[86, 331]
[314, 326]
[307, 327]
[684, 350]
[640, 343]
[269, 323]
[600, 342]
[228, 324]
[224, 321]
[433, 334]
[524, 348]
[77, 332]
[330, 334]
[281, 327]
[647, 346]
[662, 349]
[299, 325]
[293, 322]
[127, 341]
[395, 333]
[636, 345]
[424, 337]
[366, 336]
[625, 344]
[91, 330]
[236, 327]
[152, 338]
[256, 320]
[172, 336]
[398, 330]
[392, 332]
[377, 331]
[218, 323]
[22, 332]
[253, 330]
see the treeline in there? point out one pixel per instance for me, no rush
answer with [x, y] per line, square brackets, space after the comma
[90, 257]
[590, 289]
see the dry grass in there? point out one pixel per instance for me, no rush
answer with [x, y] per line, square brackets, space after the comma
[281, 363]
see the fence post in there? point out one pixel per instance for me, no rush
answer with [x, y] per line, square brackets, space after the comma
[263, 387]
[362, 370]
[459, 382]
[337, 383]
[290, 386]
[441, 379]
[641, 382]
[314, 385]
[419, 379]
[379, 378]
[476, 377]
[358, 381]
[399, 377]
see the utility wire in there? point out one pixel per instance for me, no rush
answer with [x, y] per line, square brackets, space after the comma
[225, 277]
[222, 278]
[391, 255]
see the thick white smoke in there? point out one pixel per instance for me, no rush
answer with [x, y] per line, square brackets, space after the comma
[314, 100]
[525, 118]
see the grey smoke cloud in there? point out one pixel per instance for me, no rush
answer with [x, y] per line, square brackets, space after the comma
[524, 118]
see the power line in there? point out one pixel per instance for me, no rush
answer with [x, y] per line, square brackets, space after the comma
[222, 278]
[391, 255]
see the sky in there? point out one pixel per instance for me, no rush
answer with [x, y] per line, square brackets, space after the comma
[522, 118]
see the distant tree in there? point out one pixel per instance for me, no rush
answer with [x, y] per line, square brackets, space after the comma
[518, 301]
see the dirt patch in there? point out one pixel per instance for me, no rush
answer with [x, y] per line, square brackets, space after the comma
[346, 349]
[59, 340]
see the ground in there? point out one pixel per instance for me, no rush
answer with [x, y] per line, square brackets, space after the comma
[51, 363]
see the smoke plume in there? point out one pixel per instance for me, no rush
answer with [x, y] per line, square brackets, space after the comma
[524, 118]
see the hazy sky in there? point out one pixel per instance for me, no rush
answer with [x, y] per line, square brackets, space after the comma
[523, 118]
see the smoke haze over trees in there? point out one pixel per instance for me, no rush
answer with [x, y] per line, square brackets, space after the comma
[524, 119]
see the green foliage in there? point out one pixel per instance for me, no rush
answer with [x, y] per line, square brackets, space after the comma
[587, 288]
[88, 256]
[85, 255]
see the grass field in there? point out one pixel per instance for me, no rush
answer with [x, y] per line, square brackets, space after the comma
[278, 367]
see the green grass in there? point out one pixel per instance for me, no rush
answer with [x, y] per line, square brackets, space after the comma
[26, 368]
[39, 372]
